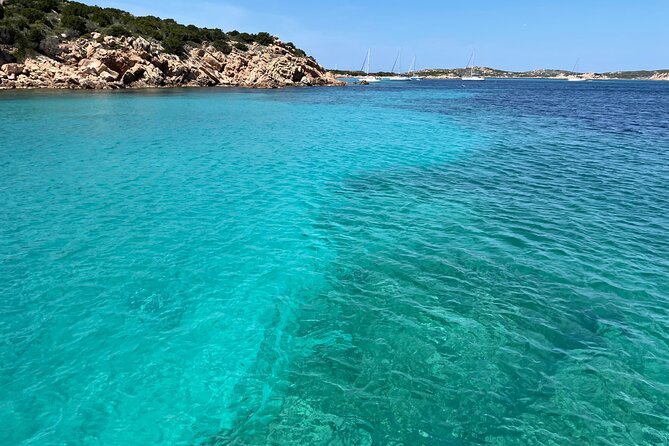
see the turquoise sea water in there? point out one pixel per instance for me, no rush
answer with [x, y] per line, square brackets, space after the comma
[425, 264]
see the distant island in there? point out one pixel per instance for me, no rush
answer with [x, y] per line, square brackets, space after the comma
[62, 44]
[456, 73]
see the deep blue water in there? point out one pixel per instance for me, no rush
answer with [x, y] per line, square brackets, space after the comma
[431, 263]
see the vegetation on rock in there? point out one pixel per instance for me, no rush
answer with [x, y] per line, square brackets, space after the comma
[34, 25]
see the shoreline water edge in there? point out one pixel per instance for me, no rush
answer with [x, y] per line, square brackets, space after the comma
[492, 73]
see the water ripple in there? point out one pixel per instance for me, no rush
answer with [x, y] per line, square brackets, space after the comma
[420, 264]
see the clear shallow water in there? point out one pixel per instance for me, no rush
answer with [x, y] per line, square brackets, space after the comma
[432, 263]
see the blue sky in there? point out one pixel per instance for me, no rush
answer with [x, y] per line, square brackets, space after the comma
[513, 35]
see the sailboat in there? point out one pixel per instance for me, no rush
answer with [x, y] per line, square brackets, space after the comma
[576, 77]
[471, 76]
[412, 71]
[398, 64]
[365, 68]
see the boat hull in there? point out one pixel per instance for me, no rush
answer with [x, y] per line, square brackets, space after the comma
[397, 79]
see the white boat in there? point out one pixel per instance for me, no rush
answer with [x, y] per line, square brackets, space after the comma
[471, 76]
[365, 67]
[399, 76]
[412, 71]
[576, 77]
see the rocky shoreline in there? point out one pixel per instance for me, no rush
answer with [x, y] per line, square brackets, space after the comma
[106, 62]
[457, 73]
[660, 77]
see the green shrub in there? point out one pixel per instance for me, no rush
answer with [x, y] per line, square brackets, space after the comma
[101, 18]
[241, 46]
[118, 31]
[78, 9]
[2, 13]
[47, 5]
[18, 21]
[35, 35]
[295, 50]
[222, 46]
[21, 54]
[264, 38]
[173, 45]
[74, 22]
[241, 37]
[50, 46]
[32, 15]
[246, 38]
[148, 26]
[215, 34]
[112, 15]
[192, 33]
[23, 46]
[8, 34]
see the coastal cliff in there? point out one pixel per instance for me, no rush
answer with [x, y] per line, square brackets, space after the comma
[71, 45]
[106, 62]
